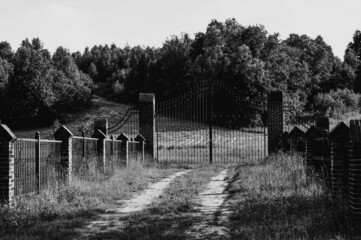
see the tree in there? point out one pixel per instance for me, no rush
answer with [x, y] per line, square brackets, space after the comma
[31, 84]
[353, 60]
[42, 88]
[6, 51]
[355, 45]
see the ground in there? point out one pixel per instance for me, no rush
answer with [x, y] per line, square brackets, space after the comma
[270, 199]
[243, 195]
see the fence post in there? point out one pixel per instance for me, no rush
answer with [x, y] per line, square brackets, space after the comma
[311, 134]
[37, 162]
[339, 141]
[141, 141]
[102, 125]
[285, 144]
[124, 147]
[296, 140]
[101, 146]
[64, 135]
[7, 176]
[275, 119]
[147, 122]
[354, 173]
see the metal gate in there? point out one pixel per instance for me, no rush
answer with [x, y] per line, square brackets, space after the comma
[211, 123]
[128, 122]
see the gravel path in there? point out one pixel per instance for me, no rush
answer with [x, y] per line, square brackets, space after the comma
[213, 210]
[114, 219]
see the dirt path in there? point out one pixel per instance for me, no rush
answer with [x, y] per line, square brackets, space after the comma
[115, 218]
[213, 210]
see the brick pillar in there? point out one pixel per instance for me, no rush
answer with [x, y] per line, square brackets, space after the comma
[340, 144]
[141, 148]
[101, 147]
[275, 119]
[311, 134]
[124, 149]
[65, 135]
[147, 122]
[297, 142]
[7, 176]
[354, 171]
[102, 125]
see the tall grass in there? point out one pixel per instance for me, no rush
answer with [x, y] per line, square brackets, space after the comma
[276, 200]
[56, 212]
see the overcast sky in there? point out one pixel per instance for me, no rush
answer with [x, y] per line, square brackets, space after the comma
[75, 24]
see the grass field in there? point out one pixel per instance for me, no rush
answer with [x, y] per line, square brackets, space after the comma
[100, 107]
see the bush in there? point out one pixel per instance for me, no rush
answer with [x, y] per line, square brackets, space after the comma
[336, 103]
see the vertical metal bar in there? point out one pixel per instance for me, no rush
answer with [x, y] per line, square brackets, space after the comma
[37, 161]
[156, 131]
[210, 122]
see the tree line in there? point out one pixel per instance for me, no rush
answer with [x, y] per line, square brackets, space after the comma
[35, 85]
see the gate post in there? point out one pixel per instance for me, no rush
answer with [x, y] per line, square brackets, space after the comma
[7, 176]
[147, 122]
[275, 119]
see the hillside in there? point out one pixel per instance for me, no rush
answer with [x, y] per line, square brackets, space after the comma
[101, 107]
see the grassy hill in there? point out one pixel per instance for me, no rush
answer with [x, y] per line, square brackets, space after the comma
[101, 107]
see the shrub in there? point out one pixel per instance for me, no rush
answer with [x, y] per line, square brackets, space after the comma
[336, 102]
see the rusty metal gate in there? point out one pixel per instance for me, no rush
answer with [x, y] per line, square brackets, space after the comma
[211, 123]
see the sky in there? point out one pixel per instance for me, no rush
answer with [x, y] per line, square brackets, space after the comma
[76, 24]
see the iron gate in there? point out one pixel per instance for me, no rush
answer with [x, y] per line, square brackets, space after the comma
[211, 123]
[128, 122]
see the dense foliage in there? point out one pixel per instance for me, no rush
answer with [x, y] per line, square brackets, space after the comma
[247, 59]
[37, 88]
[336, 103]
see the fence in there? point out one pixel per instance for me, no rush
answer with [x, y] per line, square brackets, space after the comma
[32, 165]
[37, 165]
[334, 156]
